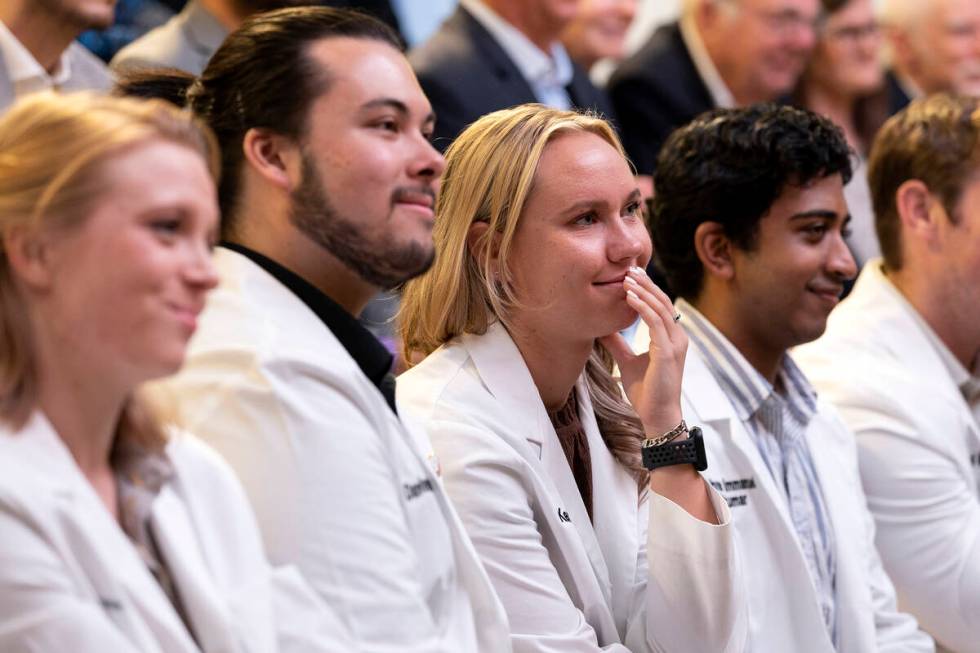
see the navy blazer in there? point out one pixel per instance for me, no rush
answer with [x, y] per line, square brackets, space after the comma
[466, 74]
[655, 91]
[897, 98]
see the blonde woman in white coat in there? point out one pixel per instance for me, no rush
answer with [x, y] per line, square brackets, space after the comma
[540, 245]
[114, 535]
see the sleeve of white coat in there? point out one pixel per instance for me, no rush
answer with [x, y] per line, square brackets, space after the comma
[322, 488]
[692, 597]
[487, 487]
[927, 520]
[40, 611]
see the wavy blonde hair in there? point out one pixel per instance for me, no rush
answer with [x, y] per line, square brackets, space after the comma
[490, 171]
[52, 150]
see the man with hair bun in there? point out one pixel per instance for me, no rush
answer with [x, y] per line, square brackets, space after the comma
[749, 221]
[327, 197]
[901, 361]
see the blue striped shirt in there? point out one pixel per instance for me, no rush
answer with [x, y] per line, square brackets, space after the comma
[777, 417]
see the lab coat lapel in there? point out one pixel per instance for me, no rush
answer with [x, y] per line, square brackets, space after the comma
[502, 368]
[615, 511]
[181, 551]
[127, 591]
[845, 506]
[715, 409]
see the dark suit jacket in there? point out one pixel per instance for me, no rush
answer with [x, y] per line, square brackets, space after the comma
[655, 91]
[897, 99]
[466, 74]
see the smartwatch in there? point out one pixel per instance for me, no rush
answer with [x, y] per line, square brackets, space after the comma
[682, 452]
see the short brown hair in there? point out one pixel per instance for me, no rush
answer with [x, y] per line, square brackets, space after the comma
[935, 140]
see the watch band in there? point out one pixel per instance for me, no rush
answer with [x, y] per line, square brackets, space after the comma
[685, 452]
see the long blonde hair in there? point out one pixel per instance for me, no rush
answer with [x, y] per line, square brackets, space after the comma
[490, 170]
[52, 148]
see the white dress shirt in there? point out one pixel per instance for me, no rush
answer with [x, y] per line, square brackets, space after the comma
[548, 74]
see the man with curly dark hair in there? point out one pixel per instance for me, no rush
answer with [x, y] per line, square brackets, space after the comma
[749, 222]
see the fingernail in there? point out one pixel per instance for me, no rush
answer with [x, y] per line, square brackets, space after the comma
[637, 270]
[630, 280]
[630, 293]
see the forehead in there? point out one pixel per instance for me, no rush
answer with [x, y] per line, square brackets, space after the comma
[361, 70]
[824, 194]
[805, 7]
[580, 156]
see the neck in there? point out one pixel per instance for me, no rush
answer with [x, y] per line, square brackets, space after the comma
[935, 304]
[759, 352]
[83, 413]
[44, 35]
[224, 13]
[837, 106]
[529, 21]
[278, 240]
[554, 366]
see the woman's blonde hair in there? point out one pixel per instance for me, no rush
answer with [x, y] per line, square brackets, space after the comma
[490, 171]
[52, 150]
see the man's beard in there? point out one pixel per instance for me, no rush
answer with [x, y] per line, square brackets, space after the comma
[384, 264]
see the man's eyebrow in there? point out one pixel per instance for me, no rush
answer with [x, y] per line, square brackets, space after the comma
[817, 213]
[397, 105]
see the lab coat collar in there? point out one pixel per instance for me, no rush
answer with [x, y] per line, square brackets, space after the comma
[901, 332]
[501, 366]
[129, 584]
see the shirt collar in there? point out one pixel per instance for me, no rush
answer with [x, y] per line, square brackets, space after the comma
[747, 388]
[366, 350]
[23, 67]
[719, 91]
[537, 67]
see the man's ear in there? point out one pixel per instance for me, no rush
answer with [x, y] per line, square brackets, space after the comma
[918, 211]
[29, 256]
[276, 158]
[714, 249]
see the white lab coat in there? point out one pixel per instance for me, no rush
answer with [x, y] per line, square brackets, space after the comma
[70, 579]
[784, 614]
[919, 451]
[568, 585]
[341, 488]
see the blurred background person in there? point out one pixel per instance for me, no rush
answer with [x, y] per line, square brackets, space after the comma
[539, 448]
[38, 49]
[721, 53]
[188, 40]
[598, 31]
[494, 54]
[934, 47]
[133, 19]
[115, 534]
[844, 81]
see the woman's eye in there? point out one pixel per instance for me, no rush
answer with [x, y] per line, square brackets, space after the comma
[633, 208]
[166, 227]
[388, 125]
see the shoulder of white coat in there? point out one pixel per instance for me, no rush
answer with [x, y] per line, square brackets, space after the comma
[201, 466]
[432, 383]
